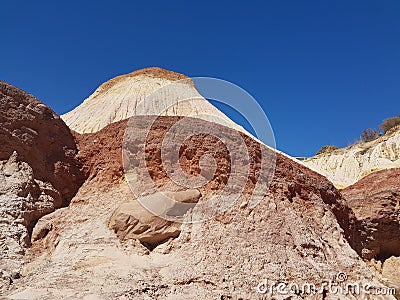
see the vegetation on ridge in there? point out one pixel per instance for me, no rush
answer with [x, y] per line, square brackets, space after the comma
[327, 149]
[389, 123]
[369, 134]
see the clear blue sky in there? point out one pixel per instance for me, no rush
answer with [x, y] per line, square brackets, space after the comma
[322, 70]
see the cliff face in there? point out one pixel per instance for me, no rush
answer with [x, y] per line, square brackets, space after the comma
[346, 166]
[124, 96]
[292, 235]
[375, 201]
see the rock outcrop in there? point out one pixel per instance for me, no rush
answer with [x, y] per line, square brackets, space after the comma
[38, 172]
[40, 138]
[375, 201]
[346, 166]
[390, 271]
[23, 200]
[132, 221]
[291, 236]
[125, 96]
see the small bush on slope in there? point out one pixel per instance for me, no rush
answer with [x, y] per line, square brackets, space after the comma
[390, 123]
[369, 135]
[327, 149]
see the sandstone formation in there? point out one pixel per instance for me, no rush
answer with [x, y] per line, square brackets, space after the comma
[291, 236]
[346, 166]
[38, 172]
[132, 221]
[125, 96]
[375, 201]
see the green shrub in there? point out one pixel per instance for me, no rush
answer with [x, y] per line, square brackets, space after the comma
[390, 123]
[327, 149]
[369, 135]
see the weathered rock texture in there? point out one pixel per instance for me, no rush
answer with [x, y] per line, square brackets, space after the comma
[124, 96]
[132, 221]
[38, 172]
[291, 236]
[375, 201]
[346, 166]
[390, 270]
[23, 200]
[40, 138]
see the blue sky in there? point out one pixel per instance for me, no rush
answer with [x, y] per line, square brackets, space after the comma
[322, 70]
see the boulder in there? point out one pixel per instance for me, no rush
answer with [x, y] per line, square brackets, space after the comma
[391, 271]
[133, 221]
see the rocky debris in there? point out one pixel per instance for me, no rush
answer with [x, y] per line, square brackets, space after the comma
[291, 236]
[375, 201]
[132, 221]
[124, 96]
[346, 166]
[15, 275]
[40, 138]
